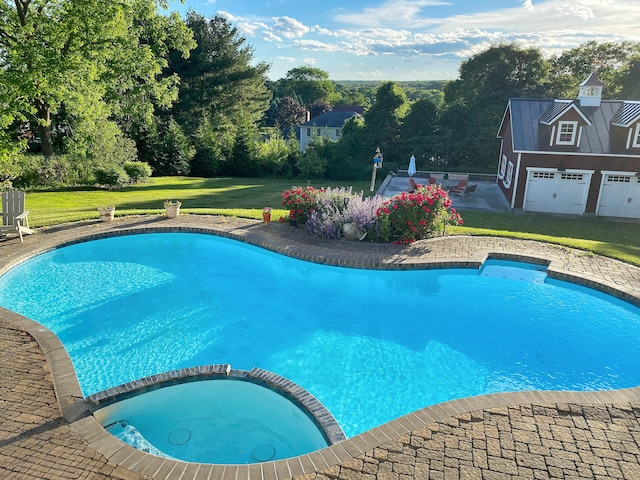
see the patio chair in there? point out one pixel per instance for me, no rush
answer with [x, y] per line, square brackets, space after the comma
[14, 216]
[462, 184]
[413, 186]
[432, 180]
[466, 191]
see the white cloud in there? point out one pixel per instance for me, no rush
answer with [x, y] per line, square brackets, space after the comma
[528, 5]
[289, 27]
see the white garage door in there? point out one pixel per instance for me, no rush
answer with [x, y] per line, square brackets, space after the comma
[556, 192]
[620, 196]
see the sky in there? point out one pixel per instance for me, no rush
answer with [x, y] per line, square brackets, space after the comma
[412, 39]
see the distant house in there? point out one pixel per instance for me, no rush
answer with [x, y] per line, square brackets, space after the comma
[577, 156]
[328, 125]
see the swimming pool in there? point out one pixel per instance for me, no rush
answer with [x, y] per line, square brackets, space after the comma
[398, 340]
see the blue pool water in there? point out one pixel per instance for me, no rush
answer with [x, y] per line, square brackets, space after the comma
[370, 345]
[200, 421]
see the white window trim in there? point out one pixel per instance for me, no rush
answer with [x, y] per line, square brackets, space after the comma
[636, 137]
[507, 179]
[574, 132]
[503, 167]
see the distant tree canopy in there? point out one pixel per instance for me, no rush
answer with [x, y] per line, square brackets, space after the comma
[307, 84]
[100, 84]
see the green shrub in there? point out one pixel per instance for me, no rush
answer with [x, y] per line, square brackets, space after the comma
[111, 176]
[137, 171]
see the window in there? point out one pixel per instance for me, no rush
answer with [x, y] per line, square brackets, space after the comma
[618, 178]
[636, 137]
[318, 132]
[567, 133]
[571, 176]
[592, 92]
[337, 133]
[507, 180]
[308, 132]
[543, 175]
[503, 166]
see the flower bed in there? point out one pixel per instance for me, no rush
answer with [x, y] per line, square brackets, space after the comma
[404, 218]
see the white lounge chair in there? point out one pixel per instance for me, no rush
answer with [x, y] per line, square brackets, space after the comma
[14, 216]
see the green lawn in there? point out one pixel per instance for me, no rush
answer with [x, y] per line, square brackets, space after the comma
[245, 197]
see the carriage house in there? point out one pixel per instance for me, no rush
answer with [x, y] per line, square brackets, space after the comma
[579, 156]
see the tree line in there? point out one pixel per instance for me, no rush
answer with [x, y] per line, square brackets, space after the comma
[90, 91]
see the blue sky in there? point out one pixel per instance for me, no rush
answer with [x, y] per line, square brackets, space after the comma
[412, 39]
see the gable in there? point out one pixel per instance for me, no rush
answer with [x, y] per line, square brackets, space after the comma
[627, 115]
[563, 110]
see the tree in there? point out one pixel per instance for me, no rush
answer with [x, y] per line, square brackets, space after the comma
[611, 60]
[383, 119]
[629, 83]
[309, 84]
[218, 80]
[272, 153]
[290, 113]
[476, 101]
[56, 52]
[319, 107]
[419, 133]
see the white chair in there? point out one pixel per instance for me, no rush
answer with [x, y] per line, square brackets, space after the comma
[14, 216]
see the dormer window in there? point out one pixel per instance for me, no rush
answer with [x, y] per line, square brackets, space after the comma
[567, 133]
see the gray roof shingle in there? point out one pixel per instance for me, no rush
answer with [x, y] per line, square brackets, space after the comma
[527, 113]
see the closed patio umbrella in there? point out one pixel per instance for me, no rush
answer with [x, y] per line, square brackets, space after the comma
[412, 166]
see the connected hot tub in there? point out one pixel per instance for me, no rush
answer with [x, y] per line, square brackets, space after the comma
[217, 415]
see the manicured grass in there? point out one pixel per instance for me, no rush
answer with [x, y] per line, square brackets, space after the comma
[245, 197]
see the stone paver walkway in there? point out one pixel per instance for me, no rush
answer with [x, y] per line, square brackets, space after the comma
[46, 431]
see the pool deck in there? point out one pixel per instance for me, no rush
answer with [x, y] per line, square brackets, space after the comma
[46, 431]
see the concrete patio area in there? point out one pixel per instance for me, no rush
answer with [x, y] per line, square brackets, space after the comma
[46, 431]
[486, 196]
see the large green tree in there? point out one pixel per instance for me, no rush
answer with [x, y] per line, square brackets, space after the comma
[87, 55]
[383, 121]
[219, 79]
[308, 84]
[475, 102]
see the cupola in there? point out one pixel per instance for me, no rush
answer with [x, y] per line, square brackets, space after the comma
[590, 93]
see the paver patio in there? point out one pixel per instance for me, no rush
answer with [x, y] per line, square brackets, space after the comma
[45, 431]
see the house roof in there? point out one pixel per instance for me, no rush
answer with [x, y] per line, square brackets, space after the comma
[559, 108]
[592, 81]
[331, 119]
[627, 115]
[525, 116]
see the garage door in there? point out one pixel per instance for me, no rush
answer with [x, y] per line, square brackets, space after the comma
[556, 192]
[620, 196]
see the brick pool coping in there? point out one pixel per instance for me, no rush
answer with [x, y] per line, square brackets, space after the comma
[608, 275]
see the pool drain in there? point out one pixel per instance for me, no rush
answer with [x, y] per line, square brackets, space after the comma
[263, 452]
[179, 436]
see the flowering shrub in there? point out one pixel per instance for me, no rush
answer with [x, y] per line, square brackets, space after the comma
[300, 202]
[402, 219]
[336, 207]
[411, 216]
